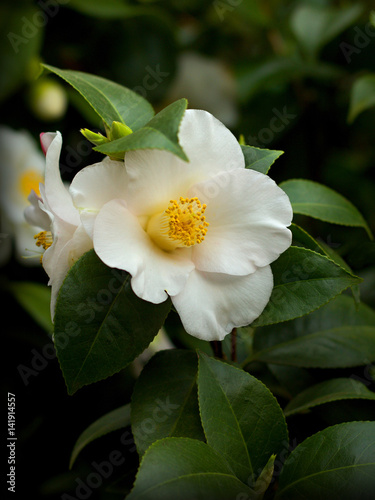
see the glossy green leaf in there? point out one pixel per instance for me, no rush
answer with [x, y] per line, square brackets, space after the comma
[241, 419]
[328, 391]
[186, 469]
[161, 132]
[164, 401]
[303, 281]
[336, 348]
[336, 463]
[318, 201]
[302, 238]
[100, 324]
[35, 299]
[314, 26]
[260, 159]
[362, 96]
[340, 312]
[111, 101]
[112, 421]
[21, 43]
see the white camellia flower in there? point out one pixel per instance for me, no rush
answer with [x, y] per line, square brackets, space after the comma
[22, 167]
[202, 232]
[62, 237]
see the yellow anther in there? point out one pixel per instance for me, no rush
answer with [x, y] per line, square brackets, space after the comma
[44, 239]
[182, 224]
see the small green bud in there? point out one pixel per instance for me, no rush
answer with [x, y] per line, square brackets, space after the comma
[241, 140]
[118, 130]
[96, 138]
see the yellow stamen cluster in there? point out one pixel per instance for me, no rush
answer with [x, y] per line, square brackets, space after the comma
[44, 239]
[186, 222]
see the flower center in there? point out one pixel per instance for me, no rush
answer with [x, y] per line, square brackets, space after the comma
[44, 239]
[181, 224]
[30, 179]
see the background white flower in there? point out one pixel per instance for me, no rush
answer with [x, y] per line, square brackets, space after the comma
[22, 166]
[202, 232]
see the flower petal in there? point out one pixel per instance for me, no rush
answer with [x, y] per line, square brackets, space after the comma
[155, 177]
[69, 244]
[121, 242]
[57, 196]
[247, 215]
[212, 304]
[34, 215]
[94, 186]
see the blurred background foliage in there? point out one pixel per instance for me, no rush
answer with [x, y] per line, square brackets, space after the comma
[291, 75]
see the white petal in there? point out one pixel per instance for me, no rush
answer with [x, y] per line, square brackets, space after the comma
[34, 215]
[94, 186]
[155, 177]
[58, 198]
[121, 242]
[212, 304]
[247, 215]
[60, 257]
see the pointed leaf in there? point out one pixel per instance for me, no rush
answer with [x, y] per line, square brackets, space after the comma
[336, 463]
[259, 159]
[100, 324]
[303, 281]
[328, 391]
[241, 418]
[318, 201]
[165, 401]
[186, 469]
[362, 96]
[159, 133]
[337, 348]
[314, 26]
[111, 101]
[112, 421]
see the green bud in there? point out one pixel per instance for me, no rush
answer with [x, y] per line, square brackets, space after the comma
[96, 138]
[241, 140]
[118, 130]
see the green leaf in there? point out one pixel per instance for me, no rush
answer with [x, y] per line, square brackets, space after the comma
[164, 401]
[112, 421]
[186, 469]
[336, 463]
[241, 419]
[111, 101]
[18, 53]
[35, 299]
[326, 392]
[100, 324]
[259, 159]
[362, 96]
[303, 238]
[340, 312]
[265, 74]
[159, 133]
[314, 26]
[336, 348]
[318, 201]
[303, 281]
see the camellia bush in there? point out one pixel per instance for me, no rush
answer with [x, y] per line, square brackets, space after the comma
[180, 227]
